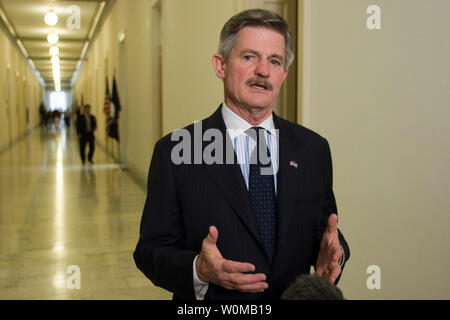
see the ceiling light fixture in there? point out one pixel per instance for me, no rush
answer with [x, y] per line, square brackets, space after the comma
[51, 18]
[55, 60]
[54, 50]
[52, 38]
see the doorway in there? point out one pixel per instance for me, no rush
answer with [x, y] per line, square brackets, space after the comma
[156, 64]
[122, 88]
[8, 103]
[286, 103]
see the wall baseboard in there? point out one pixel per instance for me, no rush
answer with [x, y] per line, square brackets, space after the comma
[136, 174]
[15, 141]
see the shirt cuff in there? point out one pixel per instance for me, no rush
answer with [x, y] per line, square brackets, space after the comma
[343, 257]
[200, 287]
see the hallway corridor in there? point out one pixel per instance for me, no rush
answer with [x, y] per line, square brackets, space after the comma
[55, 213]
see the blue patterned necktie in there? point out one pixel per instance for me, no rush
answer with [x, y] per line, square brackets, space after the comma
[262, 191]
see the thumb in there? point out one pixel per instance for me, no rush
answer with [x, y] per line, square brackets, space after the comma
[332, 223]
[213, 235]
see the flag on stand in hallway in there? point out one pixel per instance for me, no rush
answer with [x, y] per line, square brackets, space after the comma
[107, 107]
[114, 112]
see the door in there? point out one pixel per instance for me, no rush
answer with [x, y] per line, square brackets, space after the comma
[8, 103]
[156, 49]
[123, 116]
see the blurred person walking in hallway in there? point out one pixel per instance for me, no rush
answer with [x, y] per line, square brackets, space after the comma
[86, 125]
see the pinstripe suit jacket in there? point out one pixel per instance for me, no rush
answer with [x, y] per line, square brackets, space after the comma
[184, 200]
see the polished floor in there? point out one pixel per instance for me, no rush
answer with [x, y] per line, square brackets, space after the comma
[63, 224]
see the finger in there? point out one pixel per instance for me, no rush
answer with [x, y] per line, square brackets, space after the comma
[331, 258]
[337, 253]
[320, 269]
[325, 261]
[236, 280]
[331, 232]
[243, 282]
[231, 266]
[251, 288]
[334, 274]
[254, 287]
[333, 264]
[241, 279]
[212, 236]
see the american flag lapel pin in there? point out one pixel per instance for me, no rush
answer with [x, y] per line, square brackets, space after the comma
[294, 164]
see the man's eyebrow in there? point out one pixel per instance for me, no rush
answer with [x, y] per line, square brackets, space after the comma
[277, 56]
[245, 51]
[273, 55]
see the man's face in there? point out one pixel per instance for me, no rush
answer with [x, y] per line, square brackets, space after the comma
[255, 69]
[87, 110]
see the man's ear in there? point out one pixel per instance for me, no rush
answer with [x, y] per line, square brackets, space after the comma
[286, 71]
[219, 65]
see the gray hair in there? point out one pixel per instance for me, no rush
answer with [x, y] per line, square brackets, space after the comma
[255, 18]
[312, 287]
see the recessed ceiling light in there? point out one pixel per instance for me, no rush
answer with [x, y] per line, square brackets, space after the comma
[54, 51]
[54, 59]
[51, 18]
[52, 38]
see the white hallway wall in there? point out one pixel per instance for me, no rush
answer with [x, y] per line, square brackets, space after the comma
[20, 93]
[382, 99]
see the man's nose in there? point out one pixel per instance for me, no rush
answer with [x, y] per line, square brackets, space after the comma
[262, 69]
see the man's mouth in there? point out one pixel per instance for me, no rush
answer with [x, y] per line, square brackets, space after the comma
[259, 84]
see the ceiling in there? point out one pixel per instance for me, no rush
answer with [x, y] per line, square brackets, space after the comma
[23, 21]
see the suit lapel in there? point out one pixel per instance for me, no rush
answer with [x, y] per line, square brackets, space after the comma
[229, 179]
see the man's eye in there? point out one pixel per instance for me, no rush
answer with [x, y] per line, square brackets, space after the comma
[248, 58]
[276, 62]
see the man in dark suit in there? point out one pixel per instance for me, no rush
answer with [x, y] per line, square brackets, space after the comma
[241, 224]
[86, 125]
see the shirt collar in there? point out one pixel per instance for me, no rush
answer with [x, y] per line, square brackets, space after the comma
[236, 125]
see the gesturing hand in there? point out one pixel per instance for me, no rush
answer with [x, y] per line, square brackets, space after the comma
[213, 268]
[330, 253]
